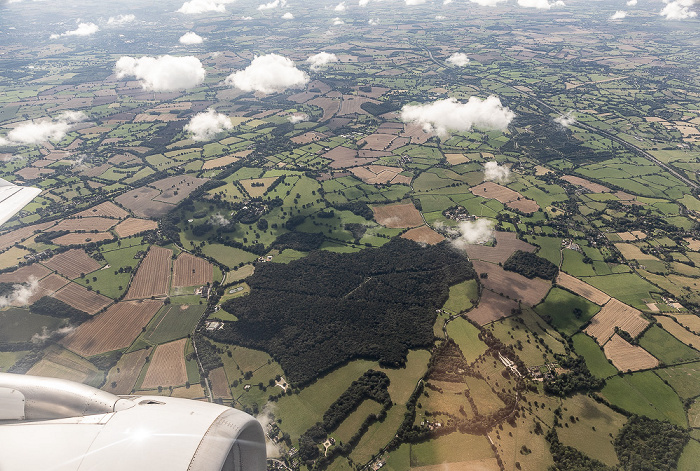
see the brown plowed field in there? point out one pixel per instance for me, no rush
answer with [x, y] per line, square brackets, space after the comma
[342, 157]
[628, 357]
[22, 275]
[9, 239]
[76, 238]
[330, 106]
[106, 209]
[100, 224]
[177, 188]
[582, 182]
[48, 286]
[615, 314]
[582, 288]
[129, 369]
[152, 277]
[511, 284]
[424, 235]
[506, 244]
[219, 383]
[114, 329]
[140, 202]
[491, 308]
[72, 263]
[505, 195]
[81, 298]
[133, 226]
[189, 270]
[398, 215]
[377, 173]
[376, 141]
[167, 367]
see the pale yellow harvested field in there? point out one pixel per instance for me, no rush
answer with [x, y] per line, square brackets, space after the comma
[189, 270]
[76, 238]
[114, 329]
[24, 274]
[506, 244]
[152, 277]
[423, 235]
[398, 215]
[72, 263]
[615, 314]
[487, 464]
[679, 331]
[8, 239]
[219, 383]
[167, 367]
[628, 357]
[106, 209]
[693, 244]
[129, 367]
[626, 236]
[632, 252]
[582, 288]
[456, 159]
[83, 299]
[491, 308]
[100, 224]
[220, 162]
[59, 363]
[133, 226]
[691, 321]
[582, 182]
[373, 174]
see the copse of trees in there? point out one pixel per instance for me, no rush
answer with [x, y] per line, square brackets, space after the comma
[577, 379]
[316, 313]
[530, 265]
[646, 444]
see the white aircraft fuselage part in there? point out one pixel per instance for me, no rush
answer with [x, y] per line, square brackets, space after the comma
[53, 424]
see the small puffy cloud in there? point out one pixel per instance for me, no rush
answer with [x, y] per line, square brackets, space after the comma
[447, 115]
[340, 7]
[472, 232]
[20, 294]
[496, 173]
[678, 10]
[121, 19]
[246, 18]
[619, 15]
[540, 4]
[34, 132]
[631, 3]
[322, 58]
[372, 22]
[458, 59]
[298, 118]
[288, 16]
[191, 38]
[271, 5]
[195, 7]
[270, 73]
[415, 2]
[337, 21]
[204, 126]
[446, 2]
[164, 73]
[83, 29]
[439, 17]
[565, 120]
[363, 3]
[487, 3]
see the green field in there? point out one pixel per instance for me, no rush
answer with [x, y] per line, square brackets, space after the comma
[19, 325]
[450, 449]
[229, 256]
[560, 306]
[682, 378]
[645, 394]
[352, 423]
[550, 247]
[461, 296]
[595, 359]
[666, 347]
[378, 435]
[627, 287]
[689, 458]
[7, 359]
[466, 337]
[173, 322]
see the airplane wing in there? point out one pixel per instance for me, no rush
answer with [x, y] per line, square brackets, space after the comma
[54, 424]
[13, 198]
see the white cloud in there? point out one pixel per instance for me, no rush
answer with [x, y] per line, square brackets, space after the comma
[439, 17]
[121, 19]
[678, 10]
[540, 4]
[191, 38]
[619, 15]
[487, 3]
[204, 126]
[372, 22]
[415, 2]
[270, 73]
[246, 18]
[20, 293]
[496, 173]
[298, 118]
[195, 7]
[83, 29]
[219, 220]
[322, 58]
[164, 73]
[446, 2]
[47, 334]
[340, 7]
[458, 59]
[363, 3]
[565, 120]
[450, 115]
[273, 4]
[34, 132]
[288, 16]
[631, 3]
[472, 232]
[337, 21]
